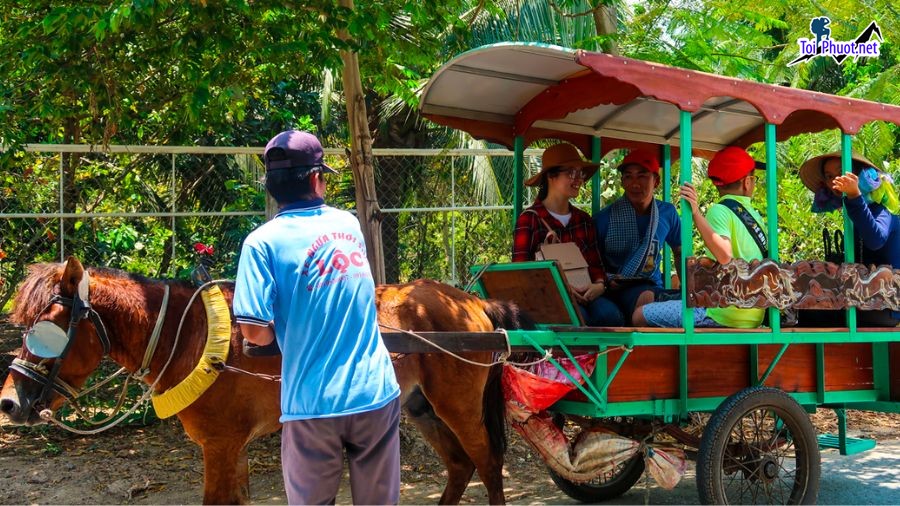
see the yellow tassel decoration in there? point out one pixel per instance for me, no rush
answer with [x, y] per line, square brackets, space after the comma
[218, 339]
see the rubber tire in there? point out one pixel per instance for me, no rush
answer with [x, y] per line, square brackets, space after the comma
[711, 457]
[591, 493]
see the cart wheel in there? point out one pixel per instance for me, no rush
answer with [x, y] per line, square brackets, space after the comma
[605, 487]
[759, 447]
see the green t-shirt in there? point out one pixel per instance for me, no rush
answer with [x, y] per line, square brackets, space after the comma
[725, 223]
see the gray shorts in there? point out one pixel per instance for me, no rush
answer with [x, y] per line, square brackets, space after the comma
[668, 315]
[312, 457]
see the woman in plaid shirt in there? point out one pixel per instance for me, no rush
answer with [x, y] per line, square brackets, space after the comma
[560, 179]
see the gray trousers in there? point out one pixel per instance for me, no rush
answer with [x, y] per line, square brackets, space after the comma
[312, 457]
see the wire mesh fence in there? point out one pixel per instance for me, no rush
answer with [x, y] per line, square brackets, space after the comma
[142, 208]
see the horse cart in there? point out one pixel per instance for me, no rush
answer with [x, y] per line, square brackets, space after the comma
[635, 388]
[759, 385]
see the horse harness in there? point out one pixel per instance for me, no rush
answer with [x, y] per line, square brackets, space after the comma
[46, 340]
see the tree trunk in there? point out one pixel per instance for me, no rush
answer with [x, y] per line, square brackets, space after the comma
[361, 160]
[70, 164]
[605, 21]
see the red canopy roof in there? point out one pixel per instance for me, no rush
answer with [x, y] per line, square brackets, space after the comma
[538, 91]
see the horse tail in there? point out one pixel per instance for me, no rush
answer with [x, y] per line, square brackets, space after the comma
[493, 409]
[505, 315]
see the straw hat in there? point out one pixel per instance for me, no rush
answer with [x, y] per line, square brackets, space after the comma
[811, 170]
[565, 156]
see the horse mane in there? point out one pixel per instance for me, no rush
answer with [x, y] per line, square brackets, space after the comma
[34, 292]
[112, 288]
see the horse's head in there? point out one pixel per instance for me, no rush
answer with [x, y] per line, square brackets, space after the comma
[63, 343]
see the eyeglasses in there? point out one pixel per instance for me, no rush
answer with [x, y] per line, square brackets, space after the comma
[574, 174]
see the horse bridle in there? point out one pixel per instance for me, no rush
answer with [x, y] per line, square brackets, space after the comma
[80, 310]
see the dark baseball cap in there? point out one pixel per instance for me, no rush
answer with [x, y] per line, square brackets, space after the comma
[293, 149]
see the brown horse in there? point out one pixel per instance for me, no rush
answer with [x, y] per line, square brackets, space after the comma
[458, 407]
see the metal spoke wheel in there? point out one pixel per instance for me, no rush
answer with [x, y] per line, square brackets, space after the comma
[605, 487]
[759, 447]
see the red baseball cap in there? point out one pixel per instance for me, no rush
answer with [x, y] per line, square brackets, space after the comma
[731, 164]
[643, 158]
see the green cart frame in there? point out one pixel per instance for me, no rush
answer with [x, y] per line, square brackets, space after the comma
[515, 94]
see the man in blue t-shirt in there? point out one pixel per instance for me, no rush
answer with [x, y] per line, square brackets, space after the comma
[631, 232]
[303, 279]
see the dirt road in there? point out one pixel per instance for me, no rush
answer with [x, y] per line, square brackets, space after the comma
[157, 464]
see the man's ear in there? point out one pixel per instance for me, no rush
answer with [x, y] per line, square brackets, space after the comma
[319, 178]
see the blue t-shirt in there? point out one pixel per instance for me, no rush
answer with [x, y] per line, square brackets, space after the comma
[879, 231]
[668, 230]
[306, 269]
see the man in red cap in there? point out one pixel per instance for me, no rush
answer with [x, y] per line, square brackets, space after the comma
[631, 232]
[731, 229]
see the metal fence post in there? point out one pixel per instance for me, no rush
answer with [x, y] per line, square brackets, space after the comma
[453, 278]
[173, 263]
[62, 208]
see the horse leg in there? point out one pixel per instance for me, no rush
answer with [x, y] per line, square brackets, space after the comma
[243, 472]
[226, 478]
[459, 466]
[461, 410]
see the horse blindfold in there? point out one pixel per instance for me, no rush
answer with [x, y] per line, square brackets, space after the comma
[46, 340]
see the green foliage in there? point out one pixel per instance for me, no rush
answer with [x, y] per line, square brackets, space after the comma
[233, 73]
[174, 72]
[536, 21]
[128, 183]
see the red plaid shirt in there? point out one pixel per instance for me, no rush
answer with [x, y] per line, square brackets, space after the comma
[530, 233]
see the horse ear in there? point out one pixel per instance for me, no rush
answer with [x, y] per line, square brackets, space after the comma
[71, 277]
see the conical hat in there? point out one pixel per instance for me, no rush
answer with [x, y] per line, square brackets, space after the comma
[811, 170]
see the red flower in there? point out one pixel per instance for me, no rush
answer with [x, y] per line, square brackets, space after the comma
[2, 254]
[203, 249]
